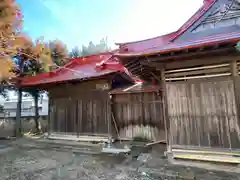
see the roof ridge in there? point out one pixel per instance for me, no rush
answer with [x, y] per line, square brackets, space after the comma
[80, 58]
[88, 56]
[126, 43]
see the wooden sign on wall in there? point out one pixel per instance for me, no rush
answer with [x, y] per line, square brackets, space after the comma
[103, 86]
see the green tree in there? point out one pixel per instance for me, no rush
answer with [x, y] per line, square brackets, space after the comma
[91, 48]
[95, 48]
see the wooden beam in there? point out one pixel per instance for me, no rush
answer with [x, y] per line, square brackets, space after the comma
[198, 77]
[192, 63]
[155, 76]
[199, 72]
[152, 64]
[132, 64]
[198, 68]
[156, 142]
[136, 68]
[208, 53]
[206, 61]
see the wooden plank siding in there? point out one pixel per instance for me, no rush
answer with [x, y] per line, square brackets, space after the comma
[203, 107]
[203, 113]
[79, 109]
[139, 115]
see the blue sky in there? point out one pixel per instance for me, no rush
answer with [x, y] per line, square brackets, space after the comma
[77, 22]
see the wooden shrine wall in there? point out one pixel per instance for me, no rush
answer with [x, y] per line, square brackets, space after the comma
[80, 109]
[203, 107]
[139, 115]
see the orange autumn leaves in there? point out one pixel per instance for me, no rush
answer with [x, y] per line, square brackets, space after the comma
[6, 65]
[10, 21]
[14, 43]
[23, 47]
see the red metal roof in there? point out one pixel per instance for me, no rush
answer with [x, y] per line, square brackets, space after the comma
[190, 44]
[145, 45]
[81, 68]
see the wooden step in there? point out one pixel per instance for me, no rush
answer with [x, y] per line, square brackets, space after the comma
[82, 138]
[62, 145]
[206, 152]
[208, 158]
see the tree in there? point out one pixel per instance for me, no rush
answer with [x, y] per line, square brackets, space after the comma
[76, 52]
[90, 49]
[58, 52]
[10, 23]
[43, 55]
[31, 59]
[95, 48]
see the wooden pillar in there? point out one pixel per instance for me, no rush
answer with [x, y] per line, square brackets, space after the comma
[165, 110]
[143, 108]
[50, 111]
[76, 117]
[235, 78]
[234, 70]
[110, 115]
[109, 112]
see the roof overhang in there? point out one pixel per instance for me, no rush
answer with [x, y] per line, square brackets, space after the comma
[185, 47]
[147, 66]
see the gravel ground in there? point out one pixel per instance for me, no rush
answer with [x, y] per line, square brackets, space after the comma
[20, 164]
[34, 164]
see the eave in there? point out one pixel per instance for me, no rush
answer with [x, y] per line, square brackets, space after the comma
[147, 66]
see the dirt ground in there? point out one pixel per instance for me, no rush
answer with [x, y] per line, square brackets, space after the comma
[34, 164]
